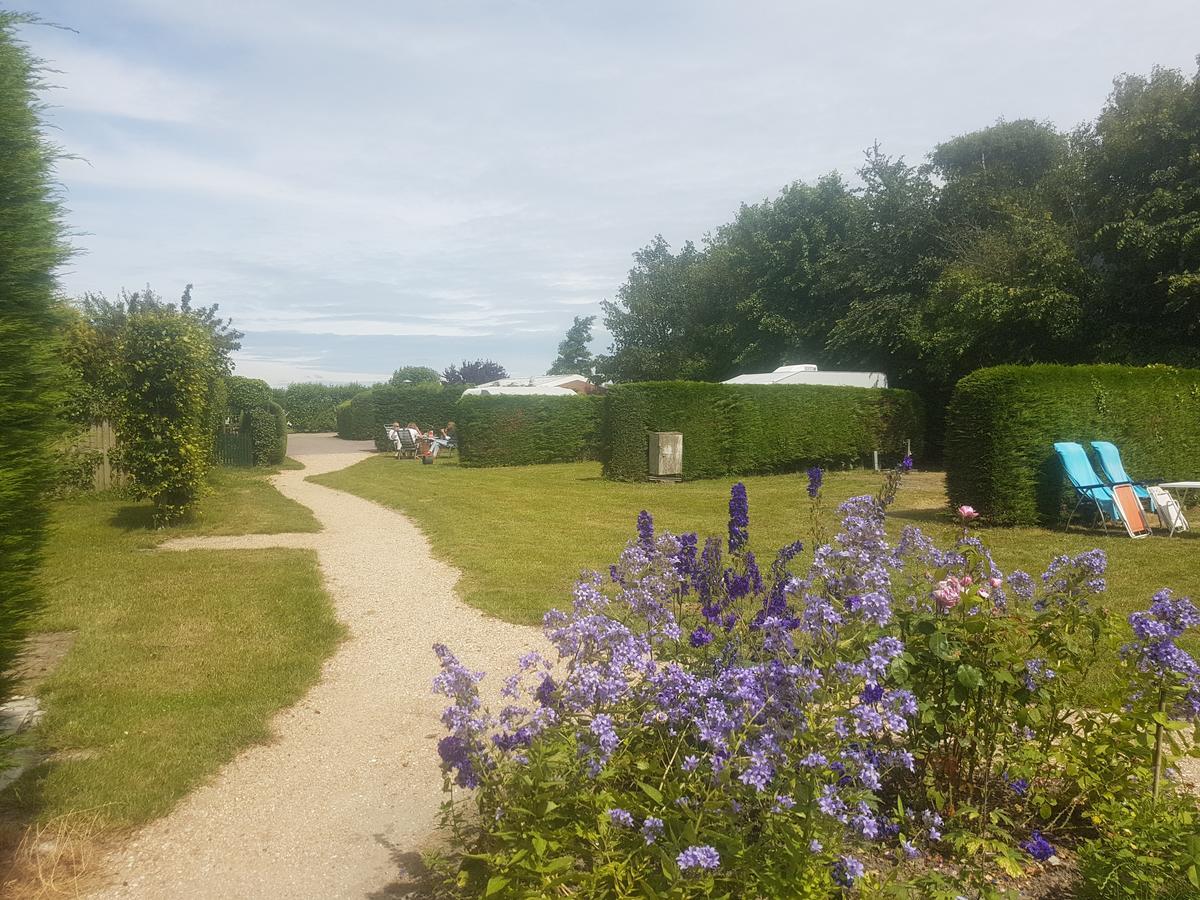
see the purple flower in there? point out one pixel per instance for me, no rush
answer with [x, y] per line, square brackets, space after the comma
[847, 870]
[1038, 847]
[645, 529]
[620, 817]
[700, 637]
[815, 478]
[906, 464]
[652, 829]
[700, 857]
[739, 518]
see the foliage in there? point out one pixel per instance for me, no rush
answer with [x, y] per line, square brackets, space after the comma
[713, 727]
[267, 427]
[75, 467]
[414, 375]
[1002, 423]
[366, 417]
[31, 249]
[755, 428]
[312, 407]
[246, 393]
[521, 431]
[574, 357]
[1013, 244]
[1144, 851]
[169, 371]
[480, 371]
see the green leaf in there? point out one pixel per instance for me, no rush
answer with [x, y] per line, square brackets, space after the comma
[969, 677]
[495, 885]
[652, 792]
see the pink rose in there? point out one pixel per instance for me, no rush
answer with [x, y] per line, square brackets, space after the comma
[947, 593]
[967, 513]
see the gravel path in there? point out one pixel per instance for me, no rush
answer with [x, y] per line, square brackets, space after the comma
[341, 801]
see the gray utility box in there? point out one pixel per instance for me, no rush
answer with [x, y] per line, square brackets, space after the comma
[665, 456]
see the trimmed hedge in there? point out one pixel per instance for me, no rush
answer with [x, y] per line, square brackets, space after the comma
[267, 427]
[743, 429]
[311, 406]
[368, 412]
[1003, 421]
[523, 431]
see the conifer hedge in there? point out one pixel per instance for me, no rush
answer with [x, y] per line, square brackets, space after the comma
[1002, 424]
[523, 431]
[742, 429]
[31, 248]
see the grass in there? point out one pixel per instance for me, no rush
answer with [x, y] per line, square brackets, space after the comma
[521, 535]
[178, 661]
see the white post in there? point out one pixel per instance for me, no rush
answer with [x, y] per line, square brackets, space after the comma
[876, 460]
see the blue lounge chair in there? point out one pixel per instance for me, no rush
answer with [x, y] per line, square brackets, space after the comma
[1087, 484]
[1114, 470]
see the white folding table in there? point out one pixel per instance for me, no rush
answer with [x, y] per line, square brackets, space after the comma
[1185, 488]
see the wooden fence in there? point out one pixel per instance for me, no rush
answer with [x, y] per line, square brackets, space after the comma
[102, 437]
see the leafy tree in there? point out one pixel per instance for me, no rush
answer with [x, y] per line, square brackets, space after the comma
[246, 393]
[414, 375]
[574, 357]
[170, 373]
[31, 249]
[480, 371]
[1142, 171]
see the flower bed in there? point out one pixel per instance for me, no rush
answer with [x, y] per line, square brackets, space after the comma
[891, 720]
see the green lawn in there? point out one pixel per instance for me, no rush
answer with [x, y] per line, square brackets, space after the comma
[179, 659]
[521, 535]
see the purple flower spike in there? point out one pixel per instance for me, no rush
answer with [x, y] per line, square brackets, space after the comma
[815, 478]
[645, 529]
[739, 518]
[700, 637]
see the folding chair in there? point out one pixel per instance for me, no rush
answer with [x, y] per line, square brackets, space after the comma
[1116, 503]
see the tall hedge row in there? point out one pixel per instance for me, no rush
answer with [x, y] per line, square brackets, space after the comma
[1002, 424]
[368, 412]
[733, 429]
[522, 431]
[312, 407]
[31, 248]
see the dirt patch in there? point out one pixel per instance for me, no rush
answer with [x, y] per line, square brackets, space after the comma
[40, 655]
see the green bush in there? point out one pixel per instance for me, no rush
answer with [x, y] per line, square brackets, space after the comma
[1145, 850]
[366, 417]
[522, 431]
[30, 371]
[1003, 422]
[312, 407]
[170, 373]
[755, 428]
[267, 427]
[246, 393]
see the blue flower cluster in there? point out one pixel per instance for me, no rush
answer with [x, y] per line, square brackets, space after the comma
[1155, 652]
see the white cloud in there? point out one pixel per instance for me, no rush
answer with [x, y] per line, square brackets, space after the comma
[280, 373]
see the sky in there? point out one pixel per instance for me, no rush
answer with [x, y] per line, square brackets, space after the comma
[379, 183]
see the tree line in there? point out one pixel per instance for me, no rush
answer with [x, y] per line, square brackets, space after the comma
[1018, 243]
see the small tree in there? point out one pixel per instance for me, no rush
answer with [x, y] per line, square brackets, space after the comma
[414, 375]
[478, 372]
[574, 357]
[170, 373]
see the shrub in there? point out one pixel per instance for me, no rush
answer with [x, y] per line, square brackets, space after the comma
[711, 727]
[746, 429]
[75, 468]
[1003, 422]
[169, 369]
[356, 421]
[1145, 851]
[522, 431]
[246, 393]
[267, 427]
[312, 407]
